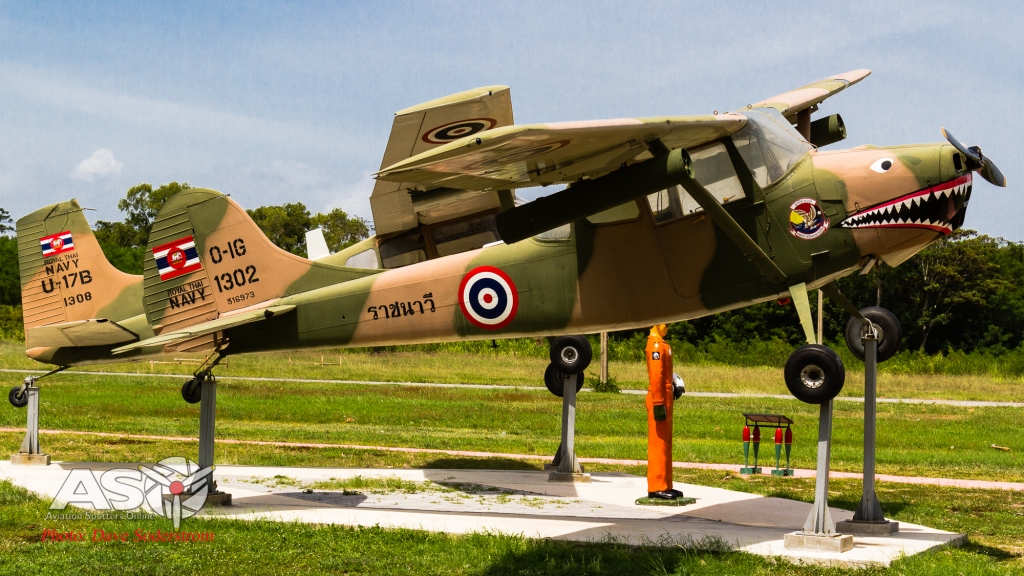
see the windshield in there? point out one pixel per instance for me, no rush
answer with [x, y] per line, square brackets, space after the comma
[769, 145]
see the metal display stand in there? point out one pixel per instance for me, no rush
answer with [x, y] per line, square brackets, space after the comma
[869, 519]
[566, 468]
[30, 454]
[207, 424]
[819, 531]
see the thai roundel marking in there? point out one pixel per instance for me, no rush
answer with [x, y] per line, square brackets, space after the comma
[488, 298]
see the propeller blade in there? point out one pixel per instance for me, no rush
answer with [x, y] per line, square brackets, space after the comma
[990, 172]
[977, 161]
[967, 152]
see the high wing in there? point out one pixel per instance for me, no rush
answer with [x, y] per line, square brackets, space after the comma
[226, 321]
[558, 153]
[794, 101]
[424, 127]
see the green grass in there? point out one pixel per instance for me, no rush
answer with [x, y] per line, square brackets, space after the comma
[517, 364]
[922, 440]
[913, 440]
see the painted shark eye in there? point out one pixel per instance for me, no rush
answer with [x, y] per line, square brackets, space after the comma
[882, 165]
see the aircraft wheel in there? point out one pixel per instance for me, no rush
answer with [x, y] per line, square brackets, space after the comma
[17, 398]
[190, 390]
[555, 380]
[571, 354]
[890, 333]
[815, 374]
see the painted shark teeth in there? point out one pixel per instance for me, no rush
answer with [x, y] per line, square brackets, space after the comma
[927, 208]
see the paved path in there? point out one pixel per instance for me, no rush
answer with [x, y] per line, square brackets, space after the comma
[799, 472]
[961, 403]
[521, 502]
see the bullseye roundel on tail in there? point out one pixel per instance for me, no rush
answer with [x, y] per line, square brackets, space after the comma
[488, 298]
[460, 129]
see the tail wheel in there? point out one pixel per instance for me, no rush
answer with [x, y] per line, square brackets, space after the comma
[815, 374]
[17, 398]
[571, 354]
[890, 333]
[555, 380]
[191, 390]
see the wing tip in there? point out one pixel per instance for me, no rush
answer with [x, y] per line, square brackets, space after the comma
[853, 76]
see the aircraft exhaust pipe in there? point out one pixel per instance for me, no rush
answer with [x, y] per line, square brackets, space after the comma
[582, 199]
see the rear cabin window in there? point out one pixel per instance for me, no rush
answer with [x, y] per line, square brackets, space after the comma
[714, 170]
[364, 259]
[408, 248]
[465, 235]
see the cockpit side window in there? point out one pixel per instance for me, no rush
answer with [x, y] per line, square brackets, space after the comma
[714, 170]
[769, 145]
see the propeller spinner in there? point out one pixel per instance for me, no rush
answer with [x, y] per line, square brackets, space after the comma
[977, 161]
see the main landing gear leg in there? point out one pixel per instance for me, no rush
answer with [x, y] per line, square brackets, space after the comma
[27, 395]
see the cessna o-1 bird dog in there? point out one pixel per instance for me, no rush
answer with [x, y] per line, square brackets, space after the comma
[662, 219]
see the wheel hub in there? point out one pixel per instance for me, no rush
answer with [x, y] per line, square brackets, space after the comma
[569, 355]
[812, 376]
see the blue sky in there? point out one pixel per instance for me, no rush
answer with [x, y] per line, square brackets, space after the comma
[293, 102]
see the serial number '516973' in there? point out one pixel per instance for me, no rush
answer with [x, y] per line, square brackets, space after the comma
[242, 297]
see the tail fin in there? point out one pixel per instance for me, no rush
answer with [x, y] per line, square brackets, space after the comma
[66, 279]
[207, 258]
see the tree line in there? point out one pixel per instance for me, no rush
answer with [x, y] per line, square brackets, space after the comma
[964, 292]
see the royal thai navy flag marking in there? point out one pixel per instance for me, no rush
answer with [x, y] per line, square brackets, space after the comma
[57, 243]
[177, 258]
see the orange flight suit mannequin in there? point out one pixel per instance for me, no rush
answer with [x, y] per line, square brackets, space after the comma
[659, 413]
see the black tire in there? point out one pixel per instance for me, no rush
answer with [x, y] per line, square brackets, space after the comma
[891, 333]
[17, 398]
[815, 374]
[571, 354]
[191, 391]
[555, 380]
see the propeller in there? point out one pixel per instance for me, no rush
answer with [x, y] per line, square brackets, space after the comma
[977, 161]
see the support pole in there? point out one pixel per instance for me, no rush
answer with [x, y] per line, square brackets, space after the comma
[569, 469]
[207, 426]
[820, 519]
[821, 318]
[604, 357]
[819, 531]
[30, 454]
[869, 519]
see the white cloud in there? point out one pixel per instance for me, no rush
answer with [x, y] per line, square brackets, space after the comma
[100, 165]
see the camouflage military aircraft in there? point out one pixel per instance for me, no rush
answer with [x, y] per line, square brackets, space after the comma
[662, 219]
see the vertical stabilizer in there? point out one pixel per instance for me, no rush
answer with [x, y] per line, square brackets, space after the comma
[66, 280]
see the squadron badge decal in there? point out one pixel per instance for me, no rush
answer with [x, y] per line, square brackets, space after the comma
[806, 219]
[488, 298]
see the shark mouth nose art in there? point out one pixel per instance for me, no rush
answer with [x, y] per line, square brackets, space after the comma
[932, 208]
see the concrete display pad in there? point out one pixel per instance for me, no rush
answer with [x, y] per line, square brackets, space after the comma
[525, 502]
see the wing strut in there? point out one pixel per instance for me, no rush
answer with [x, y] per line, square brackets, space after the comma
[718, 214]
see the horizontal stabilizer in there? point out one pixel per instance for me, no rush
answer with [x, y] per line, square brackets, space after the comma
[94, 332]
[197, 330]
